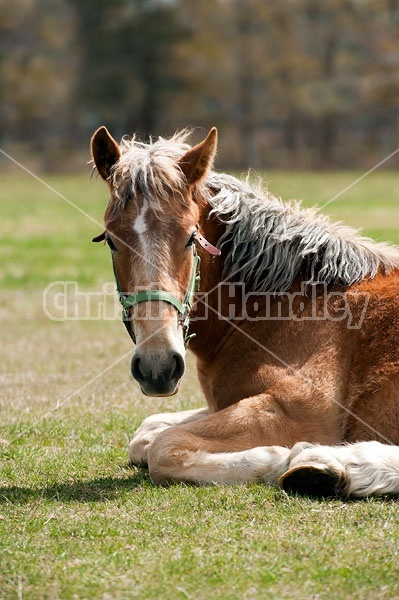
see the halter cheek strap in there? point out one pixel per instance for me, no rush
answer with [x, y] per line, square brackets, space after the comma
[184, 308]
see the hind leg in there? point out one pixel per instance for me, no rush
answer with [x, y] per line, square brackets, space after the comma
[356, 470]
[314, 470]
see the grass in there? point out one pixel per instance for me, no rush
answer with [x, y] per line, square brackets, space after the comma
[75, 520]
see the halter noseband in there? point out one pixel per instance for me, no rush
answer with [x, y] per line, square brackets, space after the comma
[183, 308]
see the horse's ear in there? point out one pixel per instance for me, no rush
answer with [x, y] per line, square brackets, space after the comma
[105, 151]
[99, 238]
[197, 161]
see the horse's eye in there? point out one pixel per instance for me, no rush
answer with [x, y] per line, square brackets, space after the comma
[191, 240]
[111, 244]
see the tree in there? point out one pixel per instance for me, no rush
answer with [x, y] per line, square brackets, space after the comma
[127, 62]
[37, 72]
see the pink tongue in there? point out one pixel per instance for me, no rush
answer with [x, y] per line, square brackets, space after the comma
[207, 245]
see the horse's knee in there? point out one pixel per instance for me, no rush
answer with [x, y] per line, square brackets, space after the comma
[169, 453]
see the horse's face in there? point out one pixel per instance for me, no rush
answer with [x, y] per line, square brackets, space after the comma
[149, 228]
[150, 252]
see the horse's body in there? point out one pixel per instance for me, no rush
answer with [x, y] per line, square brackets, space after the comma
[297, 327]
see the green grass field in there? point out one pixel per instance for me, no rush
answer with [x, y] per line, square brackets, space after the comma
[75, 520]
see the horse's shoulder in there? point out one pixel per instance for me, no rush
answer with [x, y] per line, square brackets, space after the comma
[382, 285]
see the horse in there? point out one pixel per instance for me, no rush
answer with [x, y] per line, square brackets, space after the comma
[294, 325]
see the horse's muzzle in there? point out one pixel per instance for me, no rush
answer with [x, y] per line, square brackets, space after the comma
[158, 374]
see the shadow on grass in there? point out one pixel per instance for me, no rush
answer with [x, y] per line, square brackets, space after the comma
[94, 490]
[109, 488]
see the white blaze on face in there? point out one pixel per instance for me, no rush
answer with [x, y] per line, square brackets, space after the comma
[140, 226]
[153, 255]
[146, 248]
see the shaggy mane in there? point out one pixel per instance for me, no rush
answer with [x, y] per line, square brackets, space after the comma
[269, 242]
[150, 170]
[272, 242]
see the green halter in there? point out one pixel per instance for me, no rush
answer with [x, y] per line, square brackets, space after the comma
[184, 309]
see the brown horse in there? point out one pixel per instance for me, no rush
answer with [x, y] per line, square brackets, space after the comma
[296, 326]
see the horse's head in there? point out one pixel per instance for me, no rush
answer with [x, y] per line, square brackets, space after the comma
[150, 226]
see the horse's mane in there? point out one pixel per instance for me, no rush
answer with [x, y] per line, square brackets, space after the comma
[272, 242]
[150, 170]
[268, 243]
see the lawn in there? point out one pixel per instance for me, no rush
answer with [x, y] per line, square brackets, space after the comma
[75, 520]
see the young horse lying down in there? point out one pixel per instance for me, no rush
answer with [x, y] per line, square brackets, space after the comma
[296, 326]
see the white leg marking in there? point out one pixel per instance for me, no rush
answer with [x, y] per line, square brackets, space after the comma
[369, 467]
[265, 463]
[153, 425]
[140, 226]
[372, 468]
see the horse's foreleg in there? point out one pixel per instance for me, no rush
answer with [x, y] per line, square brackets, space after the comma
[154, 425]
[357, 470]
[170, 461]
[247, 441]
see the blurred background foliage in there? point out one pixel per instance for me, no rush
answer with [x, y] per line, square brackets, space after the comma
[289, 83]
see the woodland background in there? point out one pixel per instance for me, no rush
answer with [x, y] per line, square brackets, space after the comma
[289, 83]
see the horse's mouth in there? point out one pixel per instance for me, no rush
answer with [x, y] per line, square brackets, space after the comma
[160, 392]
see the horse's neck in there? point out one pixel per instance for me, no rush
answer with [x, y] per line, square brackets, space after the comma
[206, 322]
[219, 303]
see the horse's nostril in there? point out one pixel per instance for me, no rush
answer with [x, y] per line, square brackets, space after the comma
[178, 366]
[158, 374]
[136, 371]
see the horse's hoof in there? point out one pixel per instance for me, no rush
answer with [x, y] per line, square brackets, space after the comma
[140, 464]
[312, 480]
[138, 454]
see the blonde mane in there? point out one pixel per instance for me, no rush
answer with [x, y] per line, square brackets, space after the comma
[271, 242]
[149, 170]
